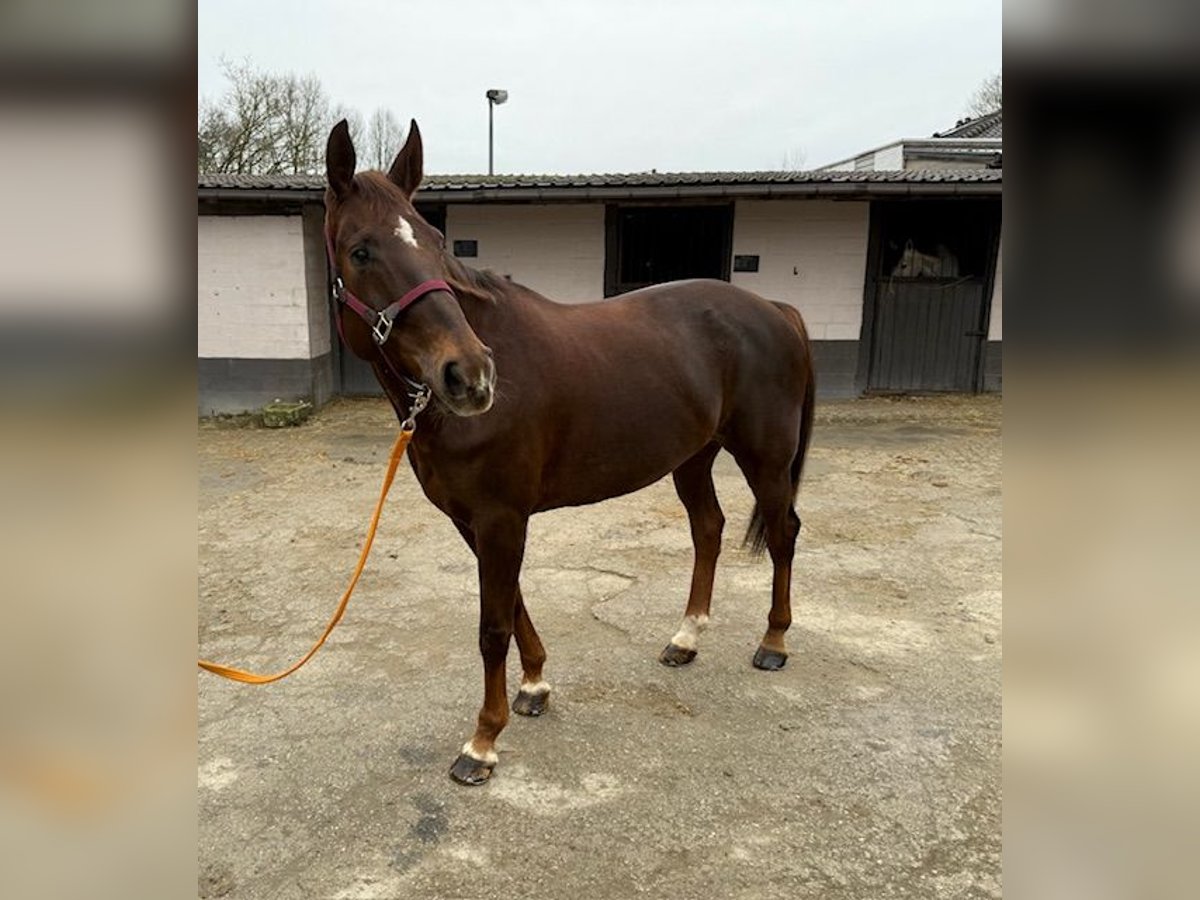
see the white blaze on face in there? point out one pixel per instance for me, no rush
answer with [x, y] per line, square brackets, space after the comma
[688, 635]
[404, 231]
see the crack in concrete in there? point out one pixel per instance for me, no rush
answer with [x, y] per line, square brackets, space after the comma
[600, 570]
[594, 608]
[976, 529]
[624, 632]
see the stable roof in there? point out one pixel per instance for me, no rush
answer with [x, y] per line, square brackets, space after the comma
[630, 186]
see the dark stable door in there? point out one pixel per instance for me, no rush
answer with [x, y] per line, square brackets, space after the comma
[930, 290]
[928, 336]
[655, 244]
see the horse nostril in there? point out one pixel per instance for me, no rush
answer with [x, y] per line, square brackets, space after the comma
[452, 376]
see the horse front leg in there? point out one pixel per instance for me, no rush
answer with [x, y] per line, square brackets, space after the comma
[500, 547]
[534, 695]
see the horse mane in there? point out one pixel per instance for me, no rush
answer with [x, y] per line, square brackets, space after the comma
[482, 284]
[380, 194]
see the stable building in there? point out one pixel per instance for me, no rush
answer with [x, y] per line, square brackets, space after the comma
[897, 273]
[972, 143]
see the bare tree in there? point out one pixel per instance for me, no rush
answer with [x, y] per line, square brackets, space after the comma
[304, 122]
[236, 134]
[383, 139]
[267, 124]
[793, 160]
[213, 135]
[988, 97]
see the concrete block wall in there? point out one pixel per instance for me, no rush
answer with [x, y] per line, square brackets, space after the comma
[813, 255]
[251, 286]
[321, 333]
[996, 320]
[557, 250]
[263, 316]
[261, 321]
[993, 369]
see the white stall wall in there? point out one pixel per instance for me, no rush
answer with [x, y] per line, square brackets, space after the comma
[812, 254]
[556, 250]
[996, 323]
[252, 298]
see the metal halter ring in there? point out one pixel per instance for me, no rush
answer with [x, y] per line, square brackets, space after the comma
[420, 399]
[381, 329]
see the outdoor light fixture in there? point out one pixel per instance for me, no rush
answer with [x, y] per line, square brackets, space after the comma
[495, 97]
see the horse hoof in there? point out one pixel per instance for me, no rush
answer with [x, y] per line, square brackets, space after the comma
[527, 704]
[470, 771]
[673, 655]
[769, 660]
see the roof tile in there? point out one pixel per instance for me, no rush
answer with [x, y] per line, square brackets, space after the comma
[453, 183]
[990, 125]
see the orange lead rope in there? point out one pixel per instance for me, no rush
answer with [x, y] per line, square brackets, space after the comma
[406, 433]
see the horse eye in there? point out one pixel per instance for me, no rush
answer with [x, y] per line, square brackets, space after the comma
[360, 255]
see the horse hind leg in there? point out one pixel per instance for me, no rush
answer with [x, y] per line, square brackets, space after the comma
[534, 694]
[694, 485]
[775, 522]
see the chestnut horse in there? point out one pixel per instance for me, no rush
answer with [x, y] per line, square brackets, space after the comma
[545, 405]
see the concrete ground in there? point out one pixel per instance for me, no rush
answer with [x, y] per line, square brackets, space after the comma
[868, 768]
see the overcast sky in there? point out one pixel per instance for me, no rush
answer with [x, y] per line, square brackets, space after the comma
[619, 86]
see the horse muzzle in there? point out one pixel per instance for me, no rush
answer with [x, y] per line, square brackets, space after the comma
[466, 389]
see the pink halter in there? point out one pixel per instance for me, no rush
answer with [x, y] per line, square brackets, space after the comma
[380, 321]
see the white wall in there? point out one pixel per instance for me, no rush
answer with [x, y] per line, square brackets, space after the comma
[974, 163]
[996, 322]
[813, 254]
[321, 332]
[252, 300]
[890, 158]
[558, 250]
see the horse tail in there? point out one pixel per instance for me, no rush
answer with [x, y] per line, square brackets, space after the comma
[756, 533]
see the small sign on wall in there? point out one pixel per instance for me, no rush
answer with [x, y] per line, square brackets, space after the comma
[466, 248]
[745, 263]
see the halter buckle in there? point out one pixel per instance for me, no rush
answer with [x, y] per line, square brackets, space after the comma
[381, 329]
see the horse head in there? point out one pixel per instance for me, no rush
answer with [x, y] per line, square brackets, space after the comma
[392, 264]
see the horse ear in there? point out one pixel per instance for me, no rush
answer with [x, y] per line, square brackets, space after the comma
[408, 169]
[340, 159]
[908, 246]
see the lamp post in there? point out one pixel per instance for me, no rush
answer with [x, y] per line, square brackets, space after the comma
[495, 97]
